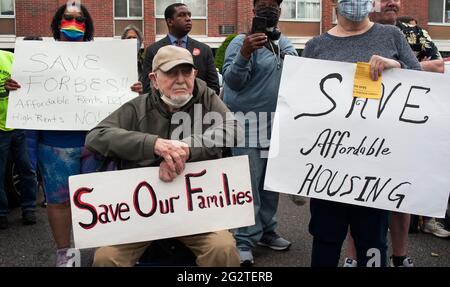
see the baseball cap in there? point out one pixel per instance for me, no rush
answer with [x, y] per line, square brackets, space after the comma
[170, 56]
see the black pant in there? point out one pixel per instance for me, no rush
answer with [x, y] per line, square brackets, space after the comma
[329, 225]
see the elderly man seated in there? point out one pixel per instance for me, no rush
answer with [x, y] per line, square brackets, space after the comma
[143, 133]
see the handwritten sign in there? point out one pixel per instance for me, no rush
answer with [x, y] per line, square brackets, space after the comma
[70, 85]
[128, 206]
[391, 153]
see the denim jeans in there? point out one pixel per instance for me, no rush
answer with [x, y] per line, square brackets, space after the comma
[265, 202]
[14, 142]
[32, 137]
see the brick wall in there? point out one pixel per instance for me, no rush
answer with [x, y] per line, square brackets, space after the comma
[417, 9]
[223, 12]
[102, 14]
[33, 17]
[245, 15]
[327, 15]
[149, 22]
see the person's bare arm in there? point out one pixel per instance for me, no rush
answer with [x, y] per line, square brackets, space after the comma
[437, 66]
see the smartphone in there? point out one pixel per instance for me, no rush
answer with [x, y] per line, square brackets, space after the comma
[259, 25]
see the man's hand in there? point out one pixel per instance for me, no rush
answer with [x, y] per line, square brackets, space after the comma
[165, 174]
[137, 87]
[175, 154]
[11, 85]
[252, 43]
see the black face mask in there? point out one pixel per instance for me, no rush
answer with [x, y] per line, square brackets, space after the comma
[271, 15]
[274, 34]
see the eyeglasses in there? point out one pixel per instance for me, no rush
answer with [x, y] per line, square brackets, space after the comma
[186, 71]
[79, 19]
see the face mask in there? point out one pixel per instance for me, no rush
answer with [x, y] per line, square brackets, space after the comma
[273, 33]
[72, 30]
[271, 15]
[176, 104]
[354, 10]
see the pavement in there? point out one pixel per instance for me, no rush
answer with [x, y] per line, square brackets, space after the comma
[33, 245]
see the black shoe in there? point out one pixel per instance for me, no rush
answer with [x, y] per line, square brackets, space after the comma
[29, 218]
[4, 222]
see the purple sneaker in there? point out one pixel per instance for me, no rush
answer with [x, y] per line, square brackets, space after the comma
[62, 258]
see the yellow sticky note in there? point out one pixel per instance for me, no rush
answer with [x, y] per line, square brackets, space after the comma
[364, 86]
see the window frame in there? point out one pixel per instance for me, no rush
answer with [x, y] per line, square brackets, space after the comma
[443, 16]
[128, 12]
[9, 16]
[193, 17]
[319, 19]
[334, 17]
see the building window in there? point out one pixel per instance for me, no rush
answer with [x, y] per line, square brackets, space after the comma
[334, 17]
[7, 8]
[439, 11]
[128, 9]
[300, 10]
[198, 8]
[7, 17]
[127, 12]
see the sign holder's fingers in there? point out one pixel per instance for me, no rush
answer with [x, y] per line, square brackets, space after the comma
[169, 161]
[179, 164]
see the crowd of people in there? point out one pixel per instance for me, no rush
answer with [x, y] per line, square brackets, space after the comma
[177, 73]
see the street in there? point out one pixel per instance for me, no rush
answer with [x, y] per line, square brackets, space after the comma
[33, 245]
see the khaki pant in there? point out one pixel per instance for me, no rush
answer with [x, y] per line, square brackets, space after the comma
[213, 249]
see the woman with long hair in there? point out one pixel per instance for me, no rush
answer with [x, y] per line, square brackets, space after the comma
[62, 153]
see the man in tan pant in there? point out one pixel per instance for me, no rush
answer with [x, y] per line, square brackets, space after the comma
[137, 135]
[213, 249]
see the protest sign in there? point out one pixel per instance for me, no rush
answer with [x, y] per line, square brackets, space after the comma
[134, 205]
[391, 153]
[70, 85]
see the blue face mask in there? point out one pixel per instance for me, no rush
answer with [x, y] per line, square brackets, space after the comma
[354, 10]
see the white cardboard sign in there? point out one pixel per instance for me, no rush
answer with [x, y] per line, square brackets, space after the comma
[134, 205]
[391, 154]
[70, 85]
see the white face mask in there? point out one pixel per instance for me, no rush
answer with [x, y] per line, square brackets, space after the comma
[178, 102]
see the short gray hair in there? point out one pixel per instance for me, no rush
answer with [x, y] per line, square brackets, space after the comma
[135, 29]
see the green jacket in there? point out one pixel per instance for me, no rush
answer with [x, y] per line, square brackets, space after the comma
[6, 60]
[129, 133]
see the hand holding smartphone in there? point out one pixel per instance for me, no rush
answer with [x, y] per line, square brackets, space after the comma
[254, 42]
[259, 25]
